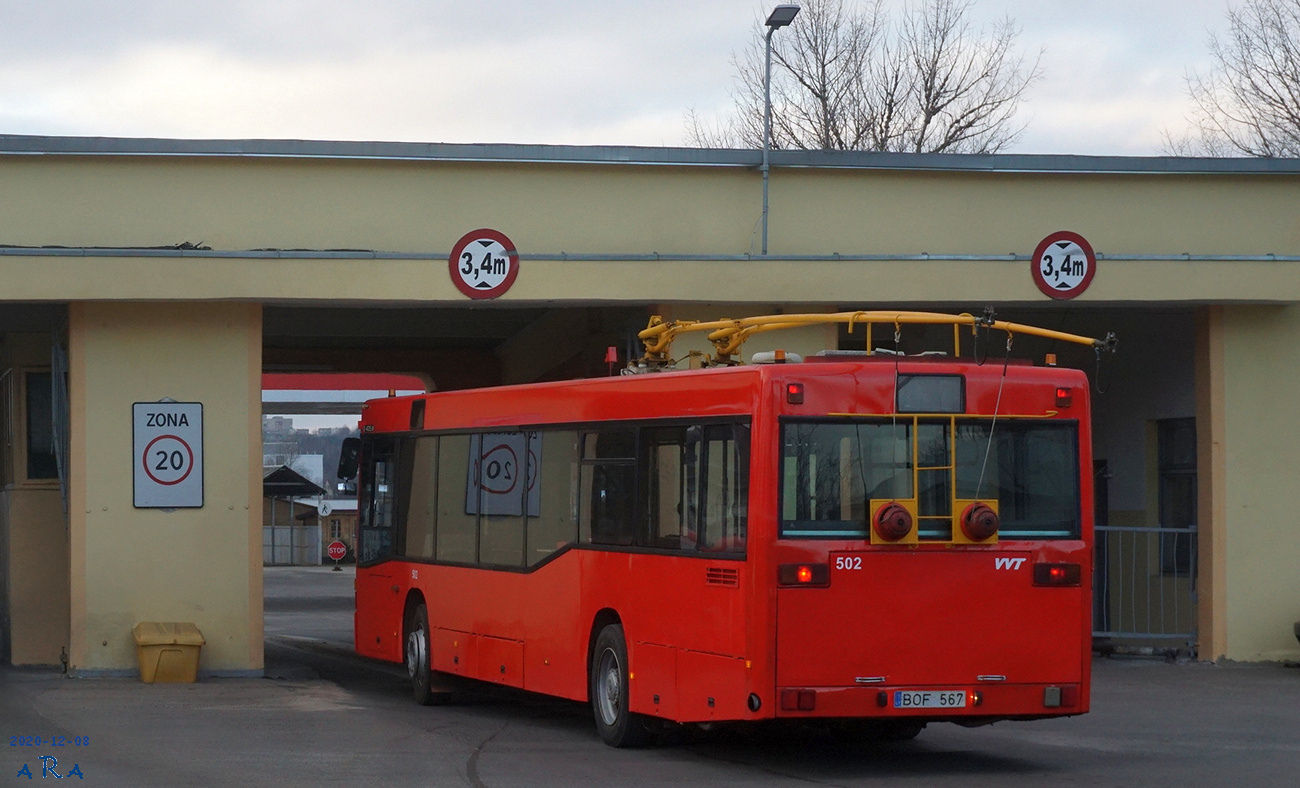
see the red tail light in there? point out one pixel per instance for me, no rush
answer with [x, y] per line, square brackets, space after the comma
[794, 393]
[807, 575]
[1064, 397]
[1057, 574]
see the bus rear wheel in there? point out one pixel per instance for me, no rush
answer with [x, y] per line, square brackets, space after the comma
[608, 688]
[417, 656]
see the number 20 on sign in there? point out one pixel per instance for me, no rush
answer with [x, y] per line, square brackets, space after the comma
[167, 449]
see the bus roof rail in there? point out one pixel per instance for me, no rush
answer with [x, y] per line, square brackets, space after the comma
[729, 335]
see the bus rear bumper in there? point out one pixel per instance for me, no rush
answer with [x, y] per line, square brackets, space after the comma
[1000, 701]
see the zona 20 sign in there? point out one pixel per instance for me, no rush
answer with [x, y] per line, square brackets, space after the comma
[483, 264]
[1063, 265]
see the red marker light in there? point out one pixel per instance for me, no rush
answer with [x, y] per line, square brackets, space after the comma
[794, 393]
[1064, 397]
[809, 575]
[1057, 574]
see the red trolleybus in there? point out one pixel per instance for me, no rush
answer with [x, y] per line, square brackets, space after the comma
[892, 540]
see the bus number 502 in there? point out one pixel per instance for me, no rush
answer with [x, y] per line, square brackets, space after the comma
[848, 562]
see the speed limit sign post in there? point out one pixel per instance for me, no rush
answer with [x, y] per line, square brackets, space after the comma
[167, 455]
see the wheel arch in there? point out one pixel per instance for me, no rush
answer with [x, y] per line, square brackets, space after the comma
[414, 598]
[603, 618]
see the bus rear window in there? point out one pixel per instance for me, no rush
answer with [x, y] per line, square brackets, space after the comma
[832, 469]
[1031, 468]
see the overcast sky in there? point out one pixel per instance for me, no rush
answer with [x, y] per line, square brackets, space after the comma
[575, 72]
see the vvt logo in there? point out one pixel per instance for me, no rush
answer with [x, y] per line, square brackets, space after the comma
[1008, 563]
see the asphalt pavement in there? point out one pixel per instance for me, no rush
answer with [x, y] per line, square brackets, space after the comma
[323, 716]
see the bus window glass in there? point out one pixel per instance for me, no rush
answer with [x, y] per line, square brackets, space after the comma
[933, 480]
[609, 487]
[555, 458]
[664, 482]
[1031, 469]
[422, 508]
[724, 488]
[502, 494]
[931, 394]
[832, 469]
[378, 496]
[457, 533]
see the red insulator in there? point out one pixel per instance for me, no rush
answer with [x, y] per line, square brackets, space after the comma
[979, 522]
[892, 522]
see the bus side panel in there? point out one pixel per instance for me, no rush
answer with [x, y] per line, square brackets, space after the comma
[696, 604]
[711, 687]
[654, 681]
[453, 651]
[377, 622]
[485, 619]
[554, 629]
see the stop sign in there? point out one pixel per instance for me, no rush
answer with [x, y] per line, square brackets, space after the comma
[336, 550]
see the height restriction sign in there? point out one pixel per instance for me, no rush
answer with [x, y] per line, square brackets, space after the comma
[167, 449]
[483, 264]
[1063, 265]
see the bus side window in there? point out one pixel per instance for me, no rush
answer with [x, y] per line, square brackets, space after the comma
[609, 486]
[663, 484]
[421, 510]
[378, 494]
[502, 496]
[457, 534]
[551, 525]
[724, 488]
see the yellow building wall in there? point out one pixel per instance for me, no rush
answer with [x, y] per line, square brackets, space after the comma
[1261, 469]
[232, 203]
[198, 565]
[37, 574]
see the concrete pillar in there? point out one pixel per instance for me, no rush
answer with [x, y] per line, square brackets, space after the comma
[201, 565]
[1254, 532]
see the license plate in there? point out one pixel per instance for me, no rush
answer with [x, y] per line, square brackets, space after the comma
[929, 699]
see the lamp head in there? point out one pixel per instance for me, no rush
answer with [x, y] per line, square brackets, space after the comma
[782, 15]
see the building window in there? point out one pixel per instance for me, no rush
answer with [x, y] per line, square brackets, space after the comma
[1176, 455]
[40, 427]
[336, 528]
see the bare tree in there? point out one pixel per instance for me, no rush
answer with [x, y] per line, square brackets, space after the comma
[846, 79]
[1249, 101]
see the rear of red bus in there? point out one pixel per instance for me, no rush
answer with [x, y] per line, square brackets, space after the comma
[932, 559]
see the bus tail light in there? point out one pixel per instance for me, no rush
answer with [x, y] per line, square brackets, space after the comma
[1064, 397]
[806, 575]
[798, 700]
[794, 393]
[1057, 574]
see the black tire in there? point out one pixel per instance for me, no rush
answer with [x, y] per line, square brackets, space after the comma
[418, 656]
[607, 687]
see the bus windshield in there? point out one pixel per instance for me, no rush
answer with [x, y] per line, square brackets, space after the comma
[832, 469]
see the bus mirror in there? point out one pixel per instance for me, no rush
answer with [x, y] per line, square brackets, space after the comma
[349, 458]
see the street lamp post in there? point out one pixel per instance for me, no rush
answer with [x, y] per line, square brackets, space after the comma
[781, 16]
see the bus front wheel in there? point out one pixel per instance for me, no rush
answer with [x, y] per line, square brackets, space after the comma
[417, 655]
[608, 689]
